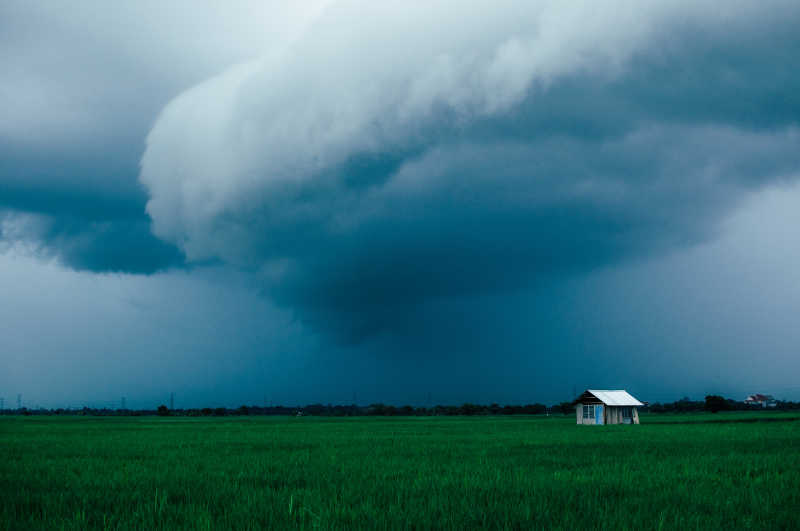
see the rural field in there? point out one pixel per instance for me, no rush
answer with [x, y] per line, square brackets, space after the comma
[671, 472]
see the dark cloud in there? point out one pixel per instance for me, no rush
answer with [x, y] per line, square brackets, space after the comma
[85, 209]
[480, 218]
[485, 202]
[360, 183]
[79, 88]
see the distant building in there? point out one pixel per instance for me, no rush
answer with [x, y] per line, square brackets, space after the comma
[607, 407]
[761, 400]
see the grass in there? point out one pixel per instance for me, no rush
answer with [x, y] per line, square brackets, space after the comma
[399, 473]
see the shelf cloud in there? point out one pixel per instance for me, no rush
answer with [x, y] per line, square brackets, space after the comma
[393, 154]
[479, 201]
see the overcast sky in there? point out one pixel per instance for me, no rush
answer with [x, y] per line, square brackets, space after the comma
[469, 201]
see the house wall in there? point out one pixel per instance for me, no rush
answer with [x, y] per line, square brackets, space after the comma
[579, 413]
[611, 415]
[615, 416]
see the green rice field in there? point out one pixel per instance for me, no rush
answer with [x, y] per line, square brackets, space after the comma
[724, 471]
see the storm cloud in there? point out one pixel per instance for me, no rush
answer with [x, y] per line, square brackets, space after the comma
[391, 155]
[442, 201]
[80, 87]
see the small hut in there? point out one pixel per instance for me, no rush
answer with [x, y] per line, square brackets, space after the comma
[760, 400]
[606, 407]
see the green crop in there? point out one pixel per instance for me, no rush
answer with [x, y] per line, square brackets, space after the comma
[670, 472]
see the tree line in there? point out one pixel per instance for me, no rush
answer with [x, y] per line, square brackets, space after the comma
[712, 403]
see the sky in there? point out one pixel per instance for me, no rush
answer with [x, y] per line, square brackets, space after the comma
[338, 201]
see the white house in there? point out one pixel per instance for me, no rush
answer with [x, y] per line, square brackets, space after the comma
[760, 400]
[596, 406]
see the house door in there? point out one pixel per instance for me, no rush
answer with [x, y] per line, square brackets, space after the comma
[598, 414]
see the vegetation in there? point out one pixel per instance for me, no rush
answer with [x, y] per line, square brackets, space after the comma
[684, 405]
[716, 403]
[492, 472]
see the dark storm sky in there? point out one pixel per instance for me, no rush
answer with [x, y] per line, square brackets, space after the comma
[480, 201]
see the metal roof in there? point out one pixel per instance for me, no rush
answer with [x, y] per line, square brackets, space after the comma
[619, 397]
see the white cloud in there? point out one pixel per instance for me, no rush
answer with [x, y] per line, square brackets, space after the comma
[365, 77]
[305, 158]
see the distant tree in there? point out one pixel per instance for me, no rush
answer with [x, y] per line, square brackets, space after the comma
[162, 411]
[716, 403]
[566, 408]
[534, 409]
[243, 410]
[207, 411]
[377, 409]
[470, 409]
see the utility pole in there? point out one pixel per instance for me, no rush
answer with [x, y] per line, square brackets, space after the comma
[19, 400]
[171, 401]
[355, 398]
[122, 403]
[2, 403]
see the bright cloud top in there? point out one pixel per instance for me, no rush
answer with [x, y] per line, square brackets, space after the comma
[397, 152]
